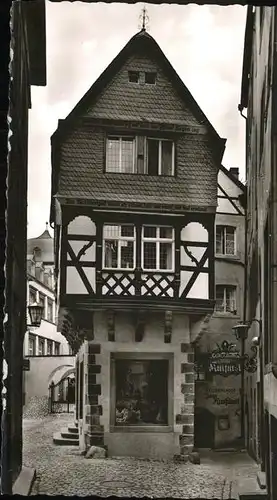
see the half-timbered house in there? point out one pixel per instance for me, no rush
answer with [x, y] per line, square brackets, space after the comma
[218, 419]
[134, 196]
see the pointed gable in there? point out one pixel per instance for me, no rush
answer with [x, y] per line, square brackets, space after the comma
[113, 103]
[157, 102]
[173, 103]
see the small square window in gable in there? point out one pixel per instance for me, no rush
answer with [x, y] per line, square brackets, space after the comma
[150, 78]
[133, 76]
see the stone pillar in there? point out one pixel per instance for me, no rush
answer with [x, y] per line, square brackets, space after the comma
[186, 418]
[95, 431]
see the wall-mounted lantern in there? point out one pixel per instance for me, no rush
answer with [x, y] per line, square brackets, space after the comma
[35, 312]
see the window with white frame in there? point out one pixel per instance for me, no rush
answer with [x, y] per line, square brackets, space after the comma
[32, 295]
[41, 302]
[119, 246]
[226, 299]
[49, 347]
[32, 345]
[160, 156]
[57, 346]
[157, 248]
[225, 240]
[50, 310]
[120, 154]
[41, 343]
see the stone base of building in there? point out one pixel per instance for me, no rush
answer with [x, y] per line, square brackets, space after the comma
[156, 446]
[136, 397]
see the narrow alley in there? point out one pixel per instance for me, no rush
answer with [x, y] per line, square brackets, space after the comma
[61, 470]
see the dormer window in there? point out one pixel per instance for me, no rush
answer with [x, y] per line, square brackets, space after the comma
[150, 78]
[133, 76]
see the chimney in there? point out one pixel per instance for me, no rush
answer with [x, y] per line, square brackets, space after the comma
[234, 171]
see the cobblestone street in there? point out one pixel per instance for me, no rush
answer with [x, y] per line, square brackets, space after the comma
[62, 470]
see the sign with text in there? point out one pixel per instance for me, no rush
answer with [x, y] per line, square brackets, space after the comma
[225, 360]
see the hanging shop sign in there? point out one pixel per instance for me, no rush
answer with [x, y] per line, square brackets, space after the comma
[225, 360]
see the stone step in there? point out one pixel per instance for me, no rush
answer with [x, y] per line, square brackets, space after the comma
[253, 495]
[58, 439]
[65, 433]
[248, 489]
[261, 478]
[75, 430]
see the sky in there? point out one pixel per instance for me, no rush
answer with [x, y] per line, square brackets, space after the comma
[203, 43]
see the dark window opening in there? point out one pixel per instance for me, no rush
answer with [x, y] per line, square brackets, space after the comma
[150, 78]
[133, 76]
[160, 154]
[141, 392]
[153, 157]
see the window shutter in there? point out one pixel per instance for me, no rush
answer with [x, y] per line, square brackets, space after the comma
[140, 155]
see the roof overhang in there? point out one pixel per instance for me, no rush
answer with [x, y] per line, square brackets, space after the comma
[248, 40]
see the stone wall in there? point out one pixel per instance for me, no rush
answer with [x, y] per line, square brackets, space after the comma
[95, 426]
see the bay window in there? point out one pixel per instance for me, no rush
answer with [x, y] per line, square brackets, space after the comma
[118, 246]
[157, 248]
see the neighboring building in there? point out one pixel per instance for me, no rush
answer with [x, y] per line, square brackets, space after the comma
[134, 197]
[218, 383]
[258, 96]
[28, 67]
[48, 351]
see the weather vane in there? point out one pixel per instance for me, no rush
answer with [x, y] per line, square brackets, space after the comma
[144, 19]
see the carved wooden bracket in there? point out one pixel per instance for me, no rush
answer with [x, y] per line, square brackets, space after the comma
[111, 325]
[140, 326]
[167, 326]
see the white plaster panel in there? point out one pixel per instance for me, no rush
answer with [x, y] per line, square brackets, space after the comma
[90, 274]
[81, 225]
[89, 254]
[74, 283]
[225, 206]
[200, 289]
[184, 279]
[197, 253]
[194, 231]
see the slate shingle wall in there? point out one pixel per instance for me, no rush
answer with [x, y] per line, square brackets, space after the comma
[82, 173]
[149, 102]
[83, 150]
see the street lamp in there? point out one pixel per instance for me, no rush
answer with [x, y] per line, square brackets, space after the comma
[35, 313]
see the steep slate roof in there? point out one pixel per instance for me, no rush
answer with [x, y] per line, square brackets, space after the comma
[141, 41]
[82, 179]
